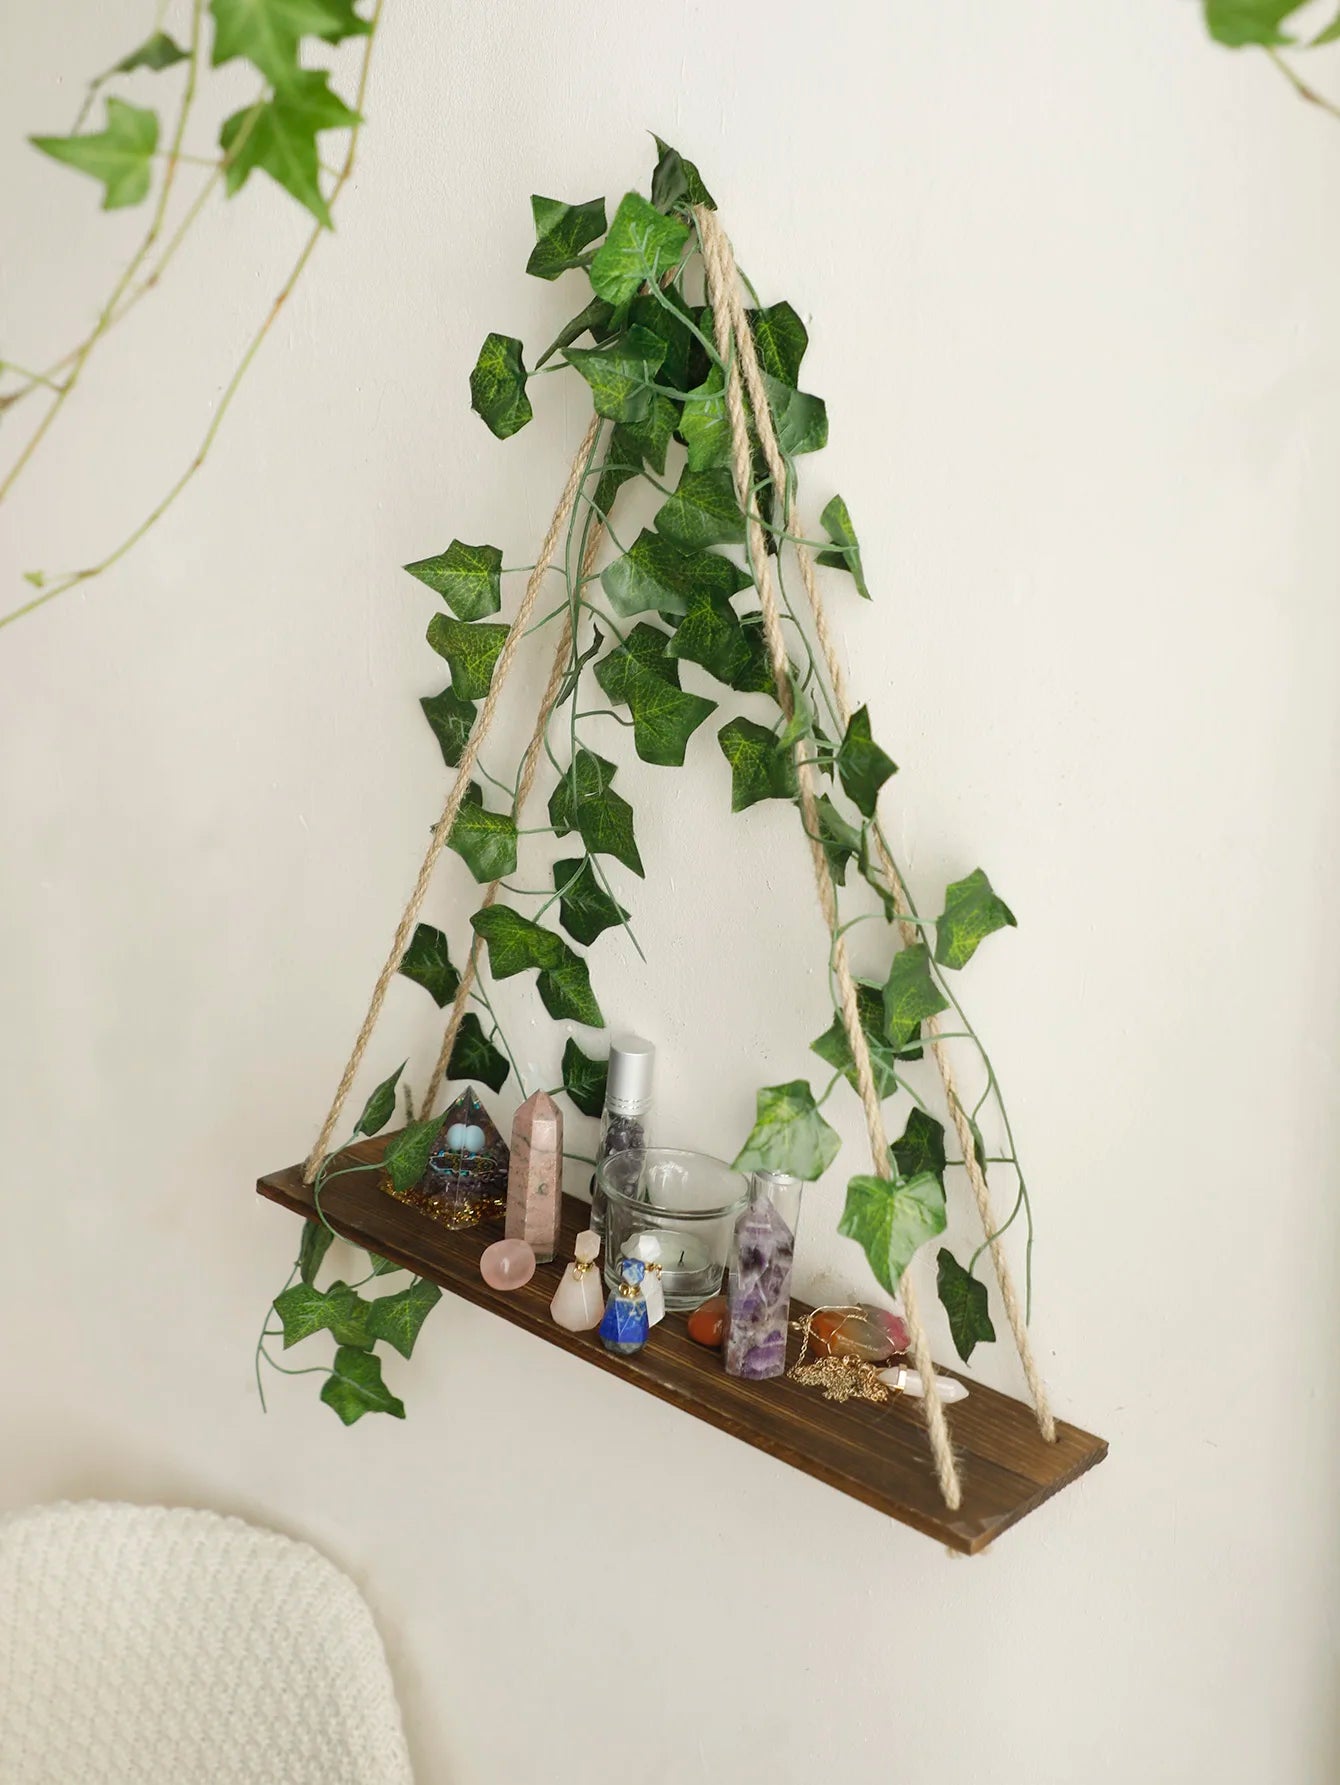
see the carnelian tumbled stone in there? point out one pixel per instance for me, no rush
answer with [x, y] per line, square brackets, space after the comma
[707, 1324]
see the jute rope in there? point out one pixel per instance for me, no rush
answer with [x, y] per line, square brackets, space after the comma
[735, 344]
[442, 829]
[1009, 1295]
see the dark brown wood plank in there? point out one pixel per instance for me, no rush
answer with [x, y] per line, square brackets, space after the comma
[877, 1454]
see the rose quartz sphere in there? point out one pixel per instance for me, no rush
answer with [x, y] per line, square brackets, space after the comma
[507, 1264]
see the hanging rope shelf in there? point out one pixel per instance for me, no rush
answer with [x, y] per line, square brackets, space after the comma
[962, 1477]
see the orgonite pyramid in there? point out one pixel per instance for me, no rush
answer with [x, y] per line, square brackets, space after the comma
[466, 1178]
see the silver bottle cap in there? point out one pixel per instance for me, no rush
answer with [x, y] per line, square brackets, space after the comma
[628, 1087]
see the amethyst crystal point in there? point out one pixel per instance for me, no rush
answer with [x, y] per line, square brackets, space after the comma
[759, 1293]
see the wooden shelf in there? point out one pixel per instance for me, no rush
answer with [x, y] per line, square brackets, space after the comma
[878, 1454]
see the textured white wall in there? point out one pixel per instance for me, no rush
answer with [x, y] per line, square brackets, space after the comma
[1072, 292]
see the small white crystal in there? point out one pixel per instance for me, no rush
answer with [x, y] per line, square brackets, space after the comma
[951, 1389]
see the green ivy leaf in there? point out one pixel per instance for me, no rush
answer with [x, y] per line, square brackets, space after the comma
[758, 769]
[835, 1050]
[515, 943]
[397, 1318]
[801, 723]
[498, 386]
[120, 155]
[279, 137]
[602, 818]
[621, 373]
[800, 419]
[304, 1310]
[1239, 22]
[382, 1267]
[584, 1079]
[380, 1107]
[704, 425]
[267, 32]
[593, 320]
[467, 577]
[711, 634]
[652, 435]
[622, 461]
[841, 840]
[355, 1387]
[157, 52]
[565, 991]
[484, 840]
[471, 647]
[889, 1221]
[677, 182]
[653, 574]
[789, 1134]
[921, 1147]
[972, 912]
[474, 1057]
[585, 909]
[1329, 35]
[702, 512]
[664, 716]
[870, 873]
[837, 523]
[780, 338]
[427, 963]
[910, 996]
[755, 674]
[862, 766]
[312, 1249]
[452, 720]
[561, 232]
[642, 245]
[964, 1301]
[407, 1153]
[666, 314]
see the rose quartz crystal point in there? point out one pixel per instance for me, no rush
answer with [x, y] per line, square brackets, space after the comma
[535, 1176]
[507, 1264]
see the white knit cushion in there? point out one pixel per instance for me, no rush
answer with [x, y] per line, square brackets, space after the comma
[145, 1646]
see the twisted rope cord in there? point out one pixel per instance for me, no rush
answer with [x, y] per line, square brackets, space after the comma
[455, 796]
[719, 262]
[1009, 1295]
[530, 763]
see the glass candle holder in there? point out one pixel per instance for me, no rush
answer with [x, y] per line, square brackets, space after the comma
[689, 1201]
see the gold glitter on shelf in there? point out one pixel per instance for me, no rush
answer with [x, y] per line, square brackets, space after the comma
[840, 1378]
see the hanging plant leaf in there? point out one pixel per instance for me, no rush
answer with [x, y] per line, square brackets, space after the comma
[920, 1147]
[397, 1318]
[585, 909]
[837, 524]
[965, 1302]
[279, 137]
[758, 769]
[801, 723]
[561, 232]
[621, 374]
[565, 991]
[312, 1249]
[664, 716]
[872, 877]
[910, 995]
[452, 720]
[653, 434]
[862, 766]
[622, 461]
[593, 320]
[484, 840]
[666, 314]
[515, 943]
[498, 386]
[834, 1048]
[584, 1079]
[407, 1153]
[650, 646]
[973, 910]
[267, 32]
[355, 1387]
[653, 574]
[889, 1221]
[841, 840]
[304, 1310]
[380, 1107]
[428, 964]
[755, 674]
[382, 1267]
[156, 53]
[120, 154]
[467, 577]
[780, 338]
[676, 182]
[641, 245]
[474, 1057]
[800, 419]
[471, 648]
[789, 1134]
[602, 818]
[1329, 35]
[1239, 22]
[704, 425]
[712, 635]
[702, 512]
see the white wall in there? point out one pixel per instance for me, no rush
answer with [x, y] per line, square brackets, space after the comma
[1072, 283]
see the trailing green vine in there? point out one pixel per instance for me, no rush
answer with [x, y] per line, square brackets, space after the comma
[670, 600]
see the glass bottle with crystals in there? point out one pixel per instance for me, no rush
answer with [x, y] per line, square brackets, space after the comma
[627, 1113]
[758, 1290]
